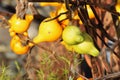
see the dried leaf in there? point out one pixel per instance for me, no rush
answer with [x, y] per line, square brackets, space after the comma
[115, 63]
[22, 6]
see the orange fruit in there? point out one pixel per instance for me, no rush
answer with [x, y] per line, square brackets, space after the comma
[80, 78]
[20, 49]
[62, 9]
[76, 17]
[48, 31]
[65, 23]
[90, 12]
[17, 46]
[117, 7]
[30, 44]
[52, 14]
[49, 4]
[18, 25]
[14, 40]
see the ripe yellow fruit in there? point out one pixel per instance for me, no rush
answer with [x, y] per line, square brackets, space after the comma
[117, 7]
[56, 4]
[12, 33]
[20, 49]
[80, 78]
[18, 25]
[30, 44]
[76, 17]
[62, 9]
[17, 47]
[52, 14]
[68, 47]
[48, 31]
[90, 12]
[12, 19]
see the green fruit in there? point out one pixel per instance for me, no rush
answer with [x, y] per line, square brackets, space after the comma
[72, 35]
[85, 47]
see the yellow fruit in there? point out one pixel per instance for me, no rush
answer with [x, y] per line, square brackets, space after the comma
[14, 40]
[52, 14]
[20, 49]
[80, 78]
[48, 31]
[68, 47]
[30, 44]
[65, 23]
[12, 19]
[63, 9]
[117, 7]
[17, 46]
[90, 12]
[12, 34]
[25, 33]
[18, 25]
[76, 17]
[50, 4]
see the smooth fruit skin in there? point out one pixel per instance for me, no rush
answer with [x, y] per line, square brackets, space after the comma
[20, 49]
[48, 31]
[17, 46]
[85, 47]
[14, 40]
[72, 35]
[18, 25]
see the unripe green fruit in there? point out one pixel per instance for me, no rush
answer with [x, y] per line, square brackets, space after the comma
[72, 35]
[85, 47]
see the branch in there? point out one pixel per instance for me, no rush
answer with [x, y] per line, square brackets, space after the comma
[21, 8]
[5, 13]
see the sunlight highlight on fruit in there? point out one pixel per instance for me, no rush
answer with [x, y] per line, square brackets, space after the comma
[48, 31]
[18, 25]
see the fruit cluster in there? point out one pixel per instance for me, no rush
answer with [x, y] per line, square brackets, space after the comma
[19, 27]
[50, 30]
